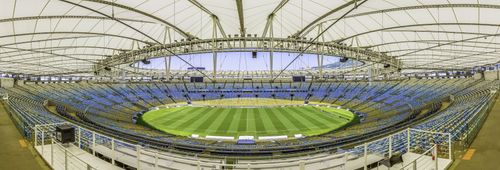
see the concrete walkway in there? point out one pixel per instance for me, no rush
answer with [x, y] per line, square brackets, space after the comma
[15, 152]
[486, 145]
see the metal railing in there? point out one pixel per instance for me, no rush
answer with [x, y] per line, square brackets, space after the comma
[414, 164]
[143, 157]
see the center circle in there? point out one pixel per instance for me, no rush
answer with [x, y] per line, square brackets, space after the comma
[259, 118]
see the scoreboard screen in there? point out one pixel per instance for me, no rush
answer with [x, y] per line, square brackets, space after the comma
[196, 79]
[299, 78]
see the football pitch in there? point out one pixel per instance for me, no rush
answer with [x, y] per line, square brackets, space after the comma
[266, 121]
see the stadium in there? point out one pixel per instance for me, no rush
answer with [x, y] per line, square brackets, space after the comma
[260, 84]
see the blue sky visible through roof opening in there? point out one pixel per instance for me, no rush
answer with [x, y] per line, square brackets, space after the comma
[241, 61]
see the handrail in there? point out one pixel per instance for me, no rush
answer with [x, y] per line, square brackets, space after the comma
[414, 162]
[53, 141]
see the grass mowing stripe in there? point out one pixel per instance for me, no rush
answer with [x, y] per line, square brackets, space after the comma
[297, 115]
[251, 120]
[276, 122]
[158, 116]
[322, 120]
[343, 113]
[268, 124]
[290, 116]
[334, 114]
[234, 124]
[184, 117]
[221, 115]
[322, 116]
[280, 114]
[187, 120]
[204, 122]
[154, 115]
[307, 116]
[174, 121]
[242, 126]
[325, 119]
[224, 126]
[259, 123]
[193, 119]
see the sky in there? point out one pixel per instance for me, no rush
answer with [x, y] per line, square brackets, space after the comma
[241, 61]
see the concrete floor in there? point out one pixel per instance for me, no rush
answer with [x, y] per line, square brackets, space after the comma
[487, 145]
[14, 154]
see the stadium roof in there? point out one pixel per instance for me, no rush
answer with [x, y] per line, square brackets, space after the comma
[70, 36]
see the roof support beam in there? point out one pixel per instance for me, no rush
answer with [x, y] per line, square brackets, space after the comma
[56, 48]
[54, 54]
[435, 68]
[356, 5]
[64, 73]
[441, 6]
[115, 19]
[449, 43]
[489, 64]
[428, 57]
[15, 69]
[285, 45]
[446, 60]
[217, 22]
[197, 4]
[414, 25]
[189, 37]
[300, 32]
[446, 50]
[35, 72]
[39, 64]
[68, 17]
[239, 6]
[84, 33]
[413, 8]
[69, 65]
[432, 42]
[49, 39]
[439, 32]
[46, 57]
[214, 17]
[50, 53]
[271, 16]
[177, 29]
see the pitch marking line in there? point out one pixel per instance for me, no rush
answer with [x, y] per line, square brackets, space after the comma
[23, 143]
[468, 155]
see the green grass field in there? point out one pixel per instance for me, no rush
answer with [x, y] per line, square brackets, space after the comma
[218, 121]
